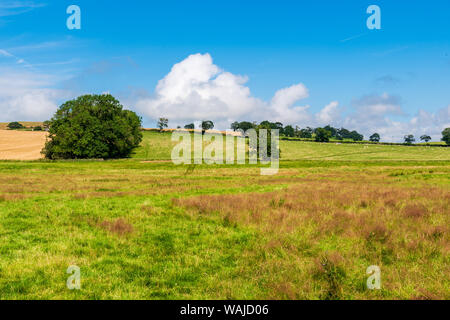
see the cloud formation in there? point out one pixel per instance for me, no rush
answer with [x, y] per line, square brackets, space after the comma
[28, 96]
[196, 89]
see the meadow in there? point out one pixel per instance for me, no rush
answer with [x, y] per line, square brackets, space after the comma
[143, 228]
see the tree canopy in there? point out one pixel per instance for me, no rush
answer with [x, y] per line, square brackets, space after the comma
[92, 126]
[446, 136]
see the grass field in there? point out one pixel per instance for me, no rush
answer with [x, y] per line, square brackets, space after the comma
[143, 229]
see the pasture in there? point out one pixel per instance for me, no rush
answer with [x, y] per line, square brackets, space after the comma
[143, 228]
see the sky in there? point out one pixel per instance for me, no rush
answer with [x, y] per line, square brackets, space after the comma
[305, 63]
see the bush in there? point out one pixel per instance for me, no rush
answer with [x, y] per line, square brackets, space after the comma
[92, 127]
[38, 128]
[15, 125]
[446, 136]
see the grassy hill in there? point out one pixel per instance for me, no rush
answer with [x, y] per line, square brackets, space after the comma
[158, 146]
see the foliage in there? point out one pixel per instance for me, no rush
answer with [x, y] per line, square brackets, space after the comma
[375, 137]
[305, 133]
[162, 123]
[15, 125]
[425, 138]
[322, 135]
[289, 131]
[38, 128]
[409, 139]
[446, 136]
[190, 126]
[92, 126]
[206, 125]
[244, 126]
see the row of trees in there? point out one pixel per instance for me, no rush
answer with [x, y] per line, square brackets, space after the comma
[204, 125]
[320, 134]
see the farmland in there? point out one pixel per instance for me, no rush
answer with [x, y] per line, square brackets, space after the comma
[143, 228]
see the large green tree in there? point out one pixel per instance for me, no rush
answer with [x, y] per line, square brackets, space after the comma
[92, 126]
[446, 136]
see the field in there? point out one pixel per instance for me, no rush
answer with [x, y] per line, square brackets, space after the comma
[21, 145]
[143, 228]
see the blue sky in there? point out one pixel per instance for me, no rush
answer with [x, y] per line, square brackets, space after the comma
[300, 62]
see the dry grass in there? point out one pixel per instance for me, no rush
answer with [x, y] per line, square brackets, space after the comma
[118, 226]
[382, 224]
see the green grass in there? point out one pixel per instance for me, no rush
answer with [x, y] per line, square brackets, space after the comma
[158, 146]
[188, 233]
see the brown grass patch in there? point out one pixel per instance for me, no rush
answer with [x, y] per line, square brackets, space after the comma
[119, 226]
[415, 211]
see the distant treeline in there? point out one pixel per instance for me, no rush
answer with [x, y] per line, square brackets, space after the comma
[319, 134]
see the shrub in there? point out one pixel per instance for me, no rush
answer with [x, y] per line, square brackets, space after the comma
[15, 125]
[38, 128]
[92, 126]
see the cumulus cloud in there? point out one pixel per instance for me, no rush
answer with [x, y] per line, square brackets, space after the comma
[196, 89]
[28, 96]
[330, 114]
[375, 113]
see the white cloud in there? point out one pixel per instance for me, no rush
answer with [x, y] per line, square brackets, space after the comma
[330, 114]
[197, 89]
[374, 114]
[27, 96]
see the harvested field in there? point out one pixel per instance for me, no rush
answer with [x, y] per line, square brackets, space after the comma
[21, 145]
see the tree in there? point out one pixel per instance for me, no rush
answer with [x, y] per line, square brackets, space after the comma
[15, 125]
[332, 130]
[425, 138]
[355, 136]
[46, 125]
[190, 126]
[322, 135]
[37, 128]
[206, 125]
[375, 137]
[92, 126]
[289, 131]
[245, 125]
[163, 123]
[268, 142]
[409, 139]
[446, 136]
[343, 133]
[306, 133]
[235, 126]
